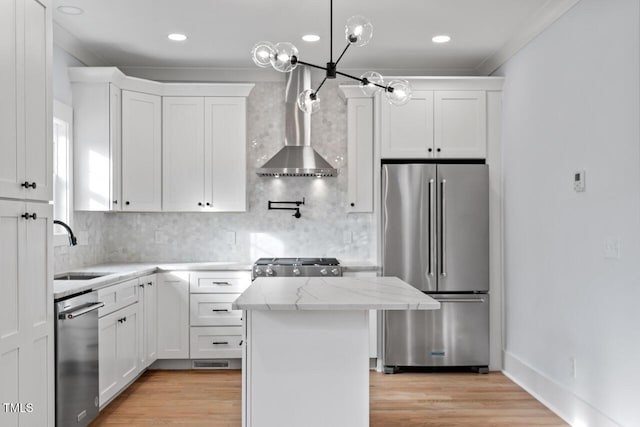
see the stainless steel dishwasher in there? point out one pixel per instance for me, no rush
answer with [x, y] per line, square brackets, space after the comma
[77, 360]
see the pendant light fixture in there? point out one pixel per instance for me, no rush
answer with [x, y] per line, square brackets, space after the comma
[283, 57]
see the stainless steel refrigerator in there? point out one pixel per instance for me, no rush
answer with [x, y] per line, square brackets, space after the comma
[435, 236]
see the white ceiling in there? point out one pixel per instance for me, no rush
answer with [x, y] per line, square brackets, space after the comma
[133, 33]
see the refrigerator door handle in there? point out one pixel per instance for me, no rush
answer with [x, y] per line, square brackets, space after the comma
[432, 226]
[476, 300]
[443, 230]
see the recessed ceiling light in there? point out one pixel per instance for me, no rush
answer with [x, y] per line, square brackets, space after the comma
[70, 10]
[441, 39]
[177, 37]
[311, 37]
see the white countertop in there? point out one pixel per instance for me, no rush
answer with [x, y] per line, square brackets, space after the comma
[121, 272]
[333, 293]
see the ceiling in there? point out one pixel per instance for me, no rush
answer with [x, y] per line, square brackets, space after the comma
[221, 33]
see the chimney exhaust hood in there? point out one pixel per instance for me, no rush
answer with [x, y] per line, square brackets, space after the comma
[297, 157]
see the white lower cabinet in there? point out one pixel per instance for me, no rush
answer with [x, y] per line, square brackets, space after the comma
[118, 339]
[216, 342]
[173, 315]
[148, 344]
[216, 329]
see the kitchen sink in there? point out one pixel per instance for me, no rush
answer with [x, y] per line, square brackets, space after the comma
[78, 276]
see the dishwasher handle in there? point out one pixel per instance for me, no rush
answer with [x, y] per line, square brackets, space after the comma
[79, 312]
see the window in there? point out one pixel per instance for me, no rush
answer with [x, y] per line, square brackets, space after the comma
[62, 170]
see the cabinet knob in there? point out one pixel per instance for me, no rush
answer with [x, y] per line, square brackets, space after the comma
[127, 203]
[430, 150]
[352, 204]
[208, 204]
[141, 285]
[115, 202]
[438, 150]
[199, 203]
[150, 283]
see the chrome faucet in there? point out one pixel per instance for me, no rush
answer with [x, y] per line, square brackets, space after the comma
[72, 238]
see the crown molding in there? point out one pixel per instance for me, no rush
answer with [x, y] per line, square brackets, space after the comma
[545, 16]
[74, 46]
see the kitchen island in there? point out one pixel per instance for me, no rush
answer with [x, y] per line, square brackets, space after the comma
[305, 358]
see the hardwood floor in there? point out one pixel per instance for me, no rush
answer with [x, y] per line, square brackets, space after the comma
[213, 399]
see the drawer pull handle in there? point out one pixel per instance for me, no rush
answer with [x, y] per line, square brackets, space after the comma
[220, 343]
[220, 309]
[222, 283]
[241, 341]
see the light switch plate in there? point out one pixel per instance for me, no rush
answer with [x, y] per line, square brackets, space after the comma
[579, 183]
[612, 248]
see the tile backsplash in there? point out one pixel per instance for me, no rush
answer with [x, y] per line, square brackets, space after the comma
[325, 228]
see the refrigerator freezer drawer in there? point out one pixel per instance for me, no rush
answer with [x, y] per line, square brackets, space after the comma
[455, 335]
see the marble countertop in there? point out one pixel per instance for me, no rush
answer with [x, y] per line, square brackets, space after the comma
[333, 293]
[122, 272]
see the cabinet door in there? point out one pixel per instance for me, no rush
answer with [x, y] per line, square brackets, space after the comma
[183, 154]
[148, 300]
[38, 101]
[225, 154]
[115, 148]
[108, 357]
[12, 160]
[360, 155]
[141, 151]
[407, 131]
[127, 338]
[461, 124]
[173, 315]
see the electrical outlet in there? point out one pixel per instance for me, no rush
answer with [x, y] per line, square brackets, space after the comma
[572, 367]
[612, 248]
[347, 237]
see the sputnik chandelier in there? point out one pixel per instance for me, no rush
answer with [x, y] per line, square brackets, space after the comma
[283, 57]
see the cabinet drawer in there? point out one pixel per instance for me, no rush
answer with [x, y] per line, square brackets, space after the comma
[229, 282]
[214, 310]
[216, 343]
[117, 296]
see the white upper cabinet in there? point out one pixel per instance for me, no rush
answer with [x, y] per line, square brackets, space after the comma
[141, 151]
[204, 160]
[460, 125]
[145, 146]
[407, 131]
[360, 154]
[97, 145]
[26, 166]
[183, 149]
[445, 119]
[225, 154]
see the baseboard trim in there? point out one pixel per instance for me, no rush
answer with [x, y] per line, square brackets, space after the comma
[564, 403]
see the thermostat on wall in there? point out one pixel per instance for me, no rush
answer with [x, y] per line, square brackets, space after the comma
[579, 181]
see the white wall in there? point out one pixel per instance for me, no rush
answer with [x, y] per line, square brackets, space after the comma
[571, 102]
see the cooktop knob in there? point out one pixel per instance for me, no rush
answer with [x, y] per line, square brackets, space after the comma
[323, 271]
[258, 271]
[296, 271]
[269, 271]
[335, 271]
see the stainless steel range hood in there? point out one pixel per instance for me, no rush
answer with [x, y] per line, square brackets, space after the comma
[297, 157]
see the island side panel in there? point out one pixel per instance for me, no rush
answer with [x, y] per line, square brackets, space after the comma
[307, 368]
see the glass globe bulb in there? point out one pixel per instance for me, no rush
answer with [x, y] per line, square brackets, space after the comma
[282, 57]
[358, 30]
[261, 53]
[309, 101]
[401, 92]
[372, 77]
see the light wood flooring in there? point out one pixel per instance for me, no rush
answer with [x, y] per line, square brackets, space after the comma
[213, 399]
